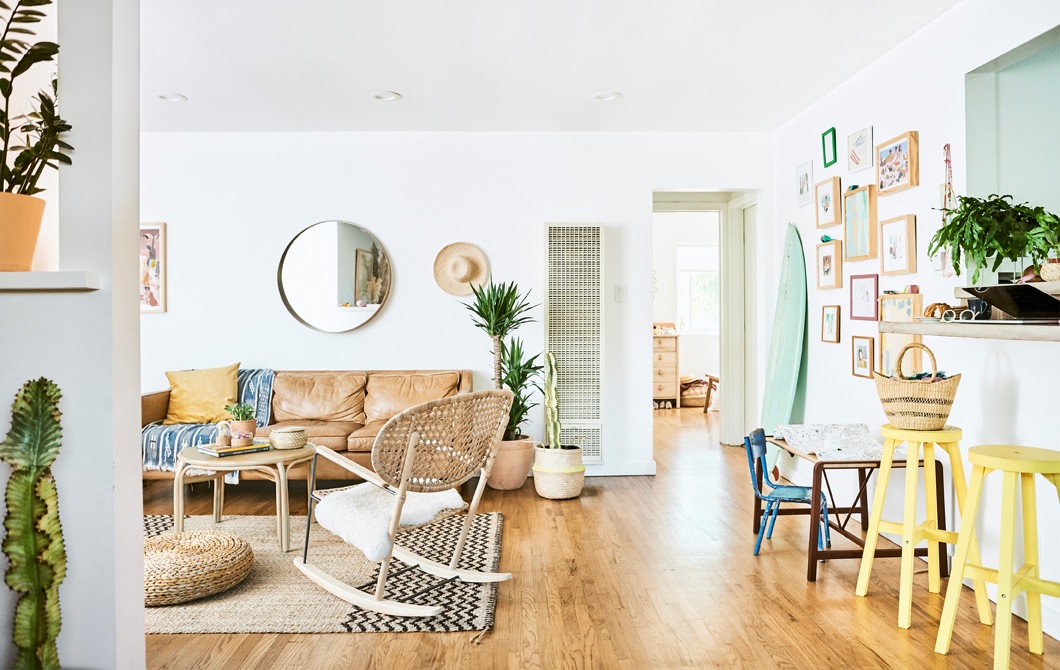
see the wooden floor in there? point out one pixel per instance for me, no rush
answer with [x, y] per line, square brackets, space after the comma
[640, 572]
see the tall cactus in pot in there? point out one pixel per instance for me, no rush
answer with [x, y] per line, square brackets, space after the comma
[34, 542]
[558, 469]
[552, 425]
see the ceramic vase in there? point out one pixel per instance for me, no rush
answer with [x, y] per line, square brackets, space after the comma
[20, 219]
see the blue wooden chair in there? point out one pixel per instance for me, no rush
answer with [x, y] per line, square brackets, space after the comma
[755, 444]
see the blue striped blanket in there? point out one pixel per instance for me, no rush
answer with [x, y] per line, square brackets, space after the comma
[160, 444]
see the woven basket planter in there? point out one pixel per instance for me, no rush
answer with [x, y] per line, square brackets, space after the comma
[194, 564]
[917, 404]
[558, 473]
[289, 437]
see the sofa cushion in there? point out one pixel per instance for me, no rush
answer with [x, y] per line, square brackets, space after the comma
[330, 434]
[319, 396]
[363, 439]
[200, 396]
[389, 394]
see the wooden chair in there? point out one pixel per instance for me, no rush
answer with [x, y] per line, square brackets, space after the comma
[431, 447]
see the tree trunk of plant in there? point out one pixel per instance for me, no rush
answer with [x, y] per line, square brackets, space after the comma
[497, 362]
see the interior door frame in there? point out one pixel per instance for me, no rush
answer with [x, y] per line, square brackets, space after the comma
[737, 401]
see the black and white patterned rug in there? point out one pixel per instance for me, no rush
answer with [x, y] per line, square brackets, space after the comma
[278, 598]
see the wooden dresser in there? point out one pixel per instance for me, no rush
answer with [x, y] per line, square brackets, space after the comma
[665, 381]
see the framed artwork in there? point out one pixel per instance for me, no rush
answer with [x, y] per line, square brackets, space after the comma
[861, 356]
[830, 264]
[804, 183]
[859, 223]
[859, 150]
[152, 267]
[898, 239]
[827, 195]
[364, 274]
[900, 307]
[864, 297]
[828, 147]
[897, 163]
[830, 323]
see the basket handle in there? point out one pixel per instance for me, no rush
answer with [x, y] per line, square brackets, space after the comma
[915, 345]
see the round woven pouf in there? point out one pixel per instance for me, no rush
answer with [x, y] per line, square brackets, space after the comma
[195, 564]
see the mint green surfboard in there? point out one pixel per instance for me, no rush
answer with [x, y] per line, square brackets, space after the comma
[786, 345]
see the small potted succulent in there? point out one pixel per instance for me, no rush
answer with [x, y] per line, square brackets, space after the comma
[558, 469]
[242, 423]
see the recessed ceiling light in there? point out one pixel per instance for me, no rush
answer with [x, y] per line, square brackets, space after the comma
[385, 96]
[172, 97]
[607, 96]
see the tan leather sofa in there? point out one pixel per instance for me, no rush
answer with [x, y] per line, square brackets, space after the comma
[343, 410]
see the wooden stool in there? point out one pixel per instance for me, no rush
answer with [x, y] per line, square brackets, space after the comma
[948, 439]
[1019, 465]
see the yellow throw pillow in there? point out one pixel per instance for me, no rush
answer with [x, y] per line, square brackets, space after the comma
[200, 396]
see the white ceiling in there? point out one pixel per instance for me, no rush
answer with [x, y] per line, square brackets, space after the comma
[506, 65]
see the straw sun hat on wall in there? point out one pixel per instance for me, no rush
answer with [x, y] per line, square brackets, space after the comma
[458, 266]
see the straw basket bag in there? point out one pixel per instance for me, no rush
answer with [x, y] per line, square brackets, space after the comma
[916, 404]
[558, 473]
[289, 437]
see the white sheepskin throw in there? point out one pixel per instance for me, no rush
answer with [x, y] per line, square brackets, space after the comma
[361, 515]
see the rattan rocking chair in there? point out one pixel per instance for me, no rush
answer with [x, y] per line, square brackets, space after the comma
[431, 447]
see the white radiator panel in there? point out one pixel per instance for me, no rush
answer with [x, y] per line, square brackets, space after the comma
[574, 317]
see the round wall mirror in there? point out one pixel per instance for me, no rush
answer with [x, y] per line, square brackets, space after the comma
[334, 276]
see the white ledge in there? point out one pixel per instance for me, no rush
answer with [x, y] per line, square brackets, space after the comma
[69, 280]
[986, 331]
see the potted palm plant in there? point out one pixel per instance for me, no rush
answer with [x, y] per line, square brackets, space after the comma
[30, 142]
[498, 309]
[558, 469]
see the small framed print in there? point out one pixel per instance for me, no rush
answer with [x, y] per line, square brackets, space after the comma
[898, 242]
[897, 164]
[859, 150]
[830, 264]
[859, 223]
[804, 183]
[830, 324]
[901, 308]
[827, 201]
[864, 297]
[861, 356]
[828, 147]
[152, 267]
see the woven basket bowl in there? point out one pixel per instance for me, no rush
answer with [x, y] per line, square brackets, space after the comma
[192, 565]
[912, 404]
[558, 473]
[291, 437]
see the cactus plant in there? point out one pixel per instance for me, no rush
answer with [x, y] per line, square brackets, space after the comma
[34, 542]
[552, 425]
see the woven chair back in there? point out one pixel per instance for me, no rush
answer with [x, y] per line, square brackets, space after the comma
[457, 436]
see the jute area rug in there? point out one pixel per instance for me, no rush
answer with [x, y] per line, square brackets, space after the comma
[278, 598]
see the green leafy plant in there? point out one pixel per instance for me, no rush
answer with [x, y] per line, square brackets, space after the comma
[34, 542]
[979, 228]
[241, 411]
[518, 373]
[23, 160]
[498, 309]
[552, 425]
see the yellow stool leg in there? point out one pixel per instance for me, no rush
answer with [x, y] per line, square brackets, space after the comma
[1030, 557]
[874, 517]
[982, 599]
[931, 518]
[964, 541]
[905, 588]
[1005, 574]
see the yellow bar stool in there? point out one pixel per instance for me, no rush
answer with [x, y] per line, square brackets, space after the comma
[948, 439]
[1019, 466]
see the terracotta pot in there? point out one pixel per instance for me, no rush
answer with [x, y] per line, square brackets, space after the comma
[20, 218]
[511, 464]
[240, 430]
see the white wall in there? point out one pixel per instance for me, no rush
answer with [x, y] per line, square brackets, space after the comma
[418, 192]
[88, 344]
[1007, 392]
[698, 354]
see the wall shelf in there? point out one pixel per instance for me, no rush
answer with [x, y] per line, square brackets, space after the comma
[991, 331]
[69, 280]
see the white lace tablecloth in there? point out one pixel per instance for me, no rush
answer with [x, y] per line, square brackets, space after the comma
[834, 441]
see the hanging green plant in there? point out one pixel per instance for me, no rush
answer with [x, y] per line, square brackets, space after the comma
[34, 542]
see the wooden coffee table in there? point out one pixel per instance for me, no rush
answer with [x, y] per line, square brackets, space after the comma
[274, 464]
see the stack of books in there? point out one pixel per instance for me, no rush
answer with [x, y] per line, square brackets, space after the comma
[215, 450]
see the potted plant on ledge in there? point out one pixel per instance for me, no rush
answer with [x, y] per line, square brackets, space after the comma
[498, 309]
[558, 469]
[29, 143]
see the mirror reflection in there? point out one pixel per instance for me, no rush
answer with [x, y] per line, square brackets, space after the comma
[334, 276]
